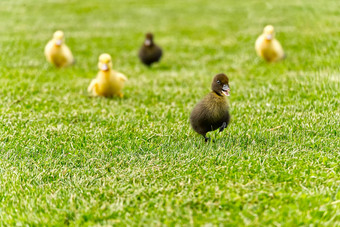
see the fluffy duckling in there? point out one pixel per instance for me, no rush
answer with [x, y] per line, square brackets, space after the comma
[57, 52]
[149, 53]
[267, 47]
[108, 82]
[212, 112]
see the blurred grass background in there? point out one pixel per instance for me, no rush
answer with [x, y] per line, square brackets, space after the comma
[67, 159]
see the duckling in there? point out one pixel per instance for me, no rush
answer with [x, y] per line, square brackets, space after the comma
[108, 82]
[212, 112]
[57, 52]
[149, 53]
[267, 47]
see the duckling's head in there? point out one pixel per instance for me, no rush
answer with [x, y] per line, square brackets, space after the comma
[58, 38]
[148, 39]
[220, 84]
[268, 31]
[104, 63]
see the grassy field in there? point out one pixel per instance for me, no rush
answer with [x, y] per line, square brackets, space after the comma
[68, 159]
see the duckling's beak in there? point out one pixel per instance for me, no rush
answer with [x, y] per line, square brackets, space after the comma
[226, 90]
[104, 67]
[269, 37]
[147, 42]
[58, 42]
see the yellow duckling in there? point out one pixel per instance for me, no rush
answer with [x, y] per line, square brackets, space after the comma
[57, 52]
[267, 47]
[108, 82]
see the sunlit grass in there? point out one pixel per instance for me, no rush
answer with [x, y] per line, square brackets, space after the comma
[69, 159]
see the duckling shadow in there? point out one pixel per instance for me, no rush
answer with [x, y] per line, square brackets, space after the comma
[199, 142]
[214, 141]
[111, 98]
[159, 67]
[164, 67]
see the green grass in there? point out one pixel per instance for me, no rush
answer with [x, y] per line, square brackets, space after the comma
[67, 159]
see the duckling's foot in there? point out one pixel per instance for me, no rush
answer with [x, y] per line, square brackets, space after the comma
[121, 95]
[224, 125]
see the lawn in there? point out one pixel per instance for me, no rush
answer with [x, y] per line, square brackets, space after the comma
[69, 159]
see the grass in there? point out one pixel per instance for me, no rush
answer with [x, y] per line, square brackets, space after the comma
[67, 159]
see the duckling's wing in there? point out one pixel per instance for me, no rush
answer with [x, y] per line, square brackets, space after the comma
[121, 76]
[68, 54]
[258, 45]
[47, 50]
[278, 49]
[67, 51]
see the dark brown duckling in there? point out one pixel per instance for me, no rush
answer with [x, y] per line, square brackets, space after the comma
[149, 53]
[212, 112]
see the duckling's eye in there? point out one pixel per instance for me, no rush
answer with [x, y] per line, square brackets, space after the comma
[219, 82]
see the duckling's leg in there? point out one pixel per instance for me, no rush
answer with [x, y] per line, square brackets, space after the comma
[121, 95]
[224, 125]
